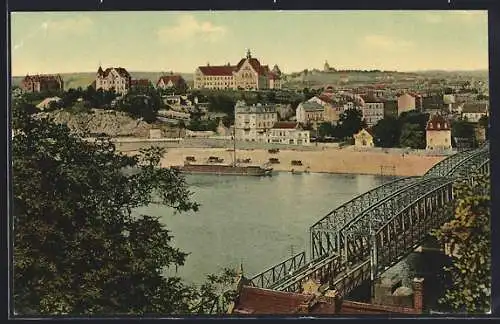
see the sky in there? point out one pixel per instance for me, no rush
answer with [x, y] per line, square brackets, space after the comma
[66, 42]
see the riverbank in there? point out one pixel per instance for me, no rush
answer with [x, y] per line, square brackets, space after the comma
[331, 160]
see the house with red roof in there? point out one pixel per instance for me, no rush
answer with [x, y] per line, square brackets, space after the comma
[42, 83]
[140, 83]
[248, 74]
[290, 133]
[172, 81]
[113, 78]
[438, 133]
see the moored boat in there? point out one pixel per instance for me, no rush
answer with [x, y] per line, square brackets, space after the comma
[225, 169]
[214, 166]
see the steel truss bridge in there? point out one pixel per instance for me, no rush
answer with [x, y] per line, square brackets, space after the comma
[369, 234]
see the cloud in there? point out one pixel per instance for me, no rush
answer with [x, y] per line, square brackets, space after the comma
[456, 16]
[432, 17]
[187, 28]
[79, 26]
[383, 42]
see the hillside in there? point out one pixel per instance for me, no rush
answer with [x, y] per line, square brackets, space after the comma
[110, 122]
[297, 79]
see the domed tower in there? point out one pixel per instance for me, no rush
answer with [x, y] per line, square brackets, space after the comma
[326, 68]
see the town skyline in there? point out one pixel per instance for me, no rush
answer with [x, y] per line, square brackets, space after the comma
[181, 41]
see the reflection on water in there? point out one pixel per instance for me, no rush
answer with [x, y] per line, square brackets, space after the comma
[255, 220]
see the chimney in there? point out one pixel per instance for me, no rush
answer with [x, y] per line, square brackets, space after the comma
[418, 294]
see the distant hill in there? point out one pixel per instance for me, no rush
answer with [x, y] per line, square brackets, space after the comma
[84, 79]
[293, 80]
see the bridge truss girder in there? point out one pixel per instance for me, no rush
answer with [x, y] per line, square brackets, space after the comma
[372, 232]
[323, 232]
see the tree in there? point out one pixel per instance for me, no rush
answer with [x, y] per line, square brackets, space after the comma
[412, 136]
[326, 130]
[462, 129]
[387, 132]
[414, 117]
[143, 103]
[350, 122]
[469, 236]
[485, 123]
[78, 248]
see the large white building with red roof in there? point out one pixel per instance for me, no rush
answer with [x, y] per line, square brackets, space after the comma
[113, 78]
[248, 74]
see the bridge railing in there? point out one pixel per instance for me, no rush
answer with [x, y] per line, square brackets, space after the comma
[471, 164]
[320, 269]
[279, 272]
[323, 232]
[442, 167]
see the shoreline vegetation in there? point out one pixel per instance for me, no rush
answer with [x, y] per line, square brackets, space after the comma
[323, 159]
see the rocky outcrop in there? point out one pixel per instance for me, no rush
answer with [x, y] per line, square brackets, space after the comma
[109, 122]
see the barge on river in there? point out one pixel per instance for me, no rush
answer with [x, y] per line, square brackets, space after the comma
[225, 169]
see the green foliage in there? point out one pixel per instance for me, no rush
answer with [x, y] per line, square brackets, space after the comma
[470, 232]
[414, 117]
[142, 103]
[326, 130]
[99, 98]
[485, 123]
[412, 136]
[203, 125]
[387, 132]
[462, 129]
[78, 248]
[21, 106]
[350, 122]
[222, 103]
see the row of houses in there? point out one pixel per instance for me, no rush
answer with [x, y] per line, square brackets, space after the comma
[328, 106]
[437, 134]
[121, 81]
[116, 78]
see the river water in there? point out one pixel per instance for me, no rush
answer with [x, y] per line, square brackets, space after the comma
[261, 221]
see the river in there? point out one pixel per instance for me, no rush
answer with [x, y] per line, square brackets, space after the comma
[260, 221]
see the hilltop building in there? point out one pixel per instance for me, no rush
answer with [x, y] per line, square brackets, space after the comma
[327, 68]
[42, 83]
[438, 133]
[172, 81]
[248, 74]
[113, 78]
